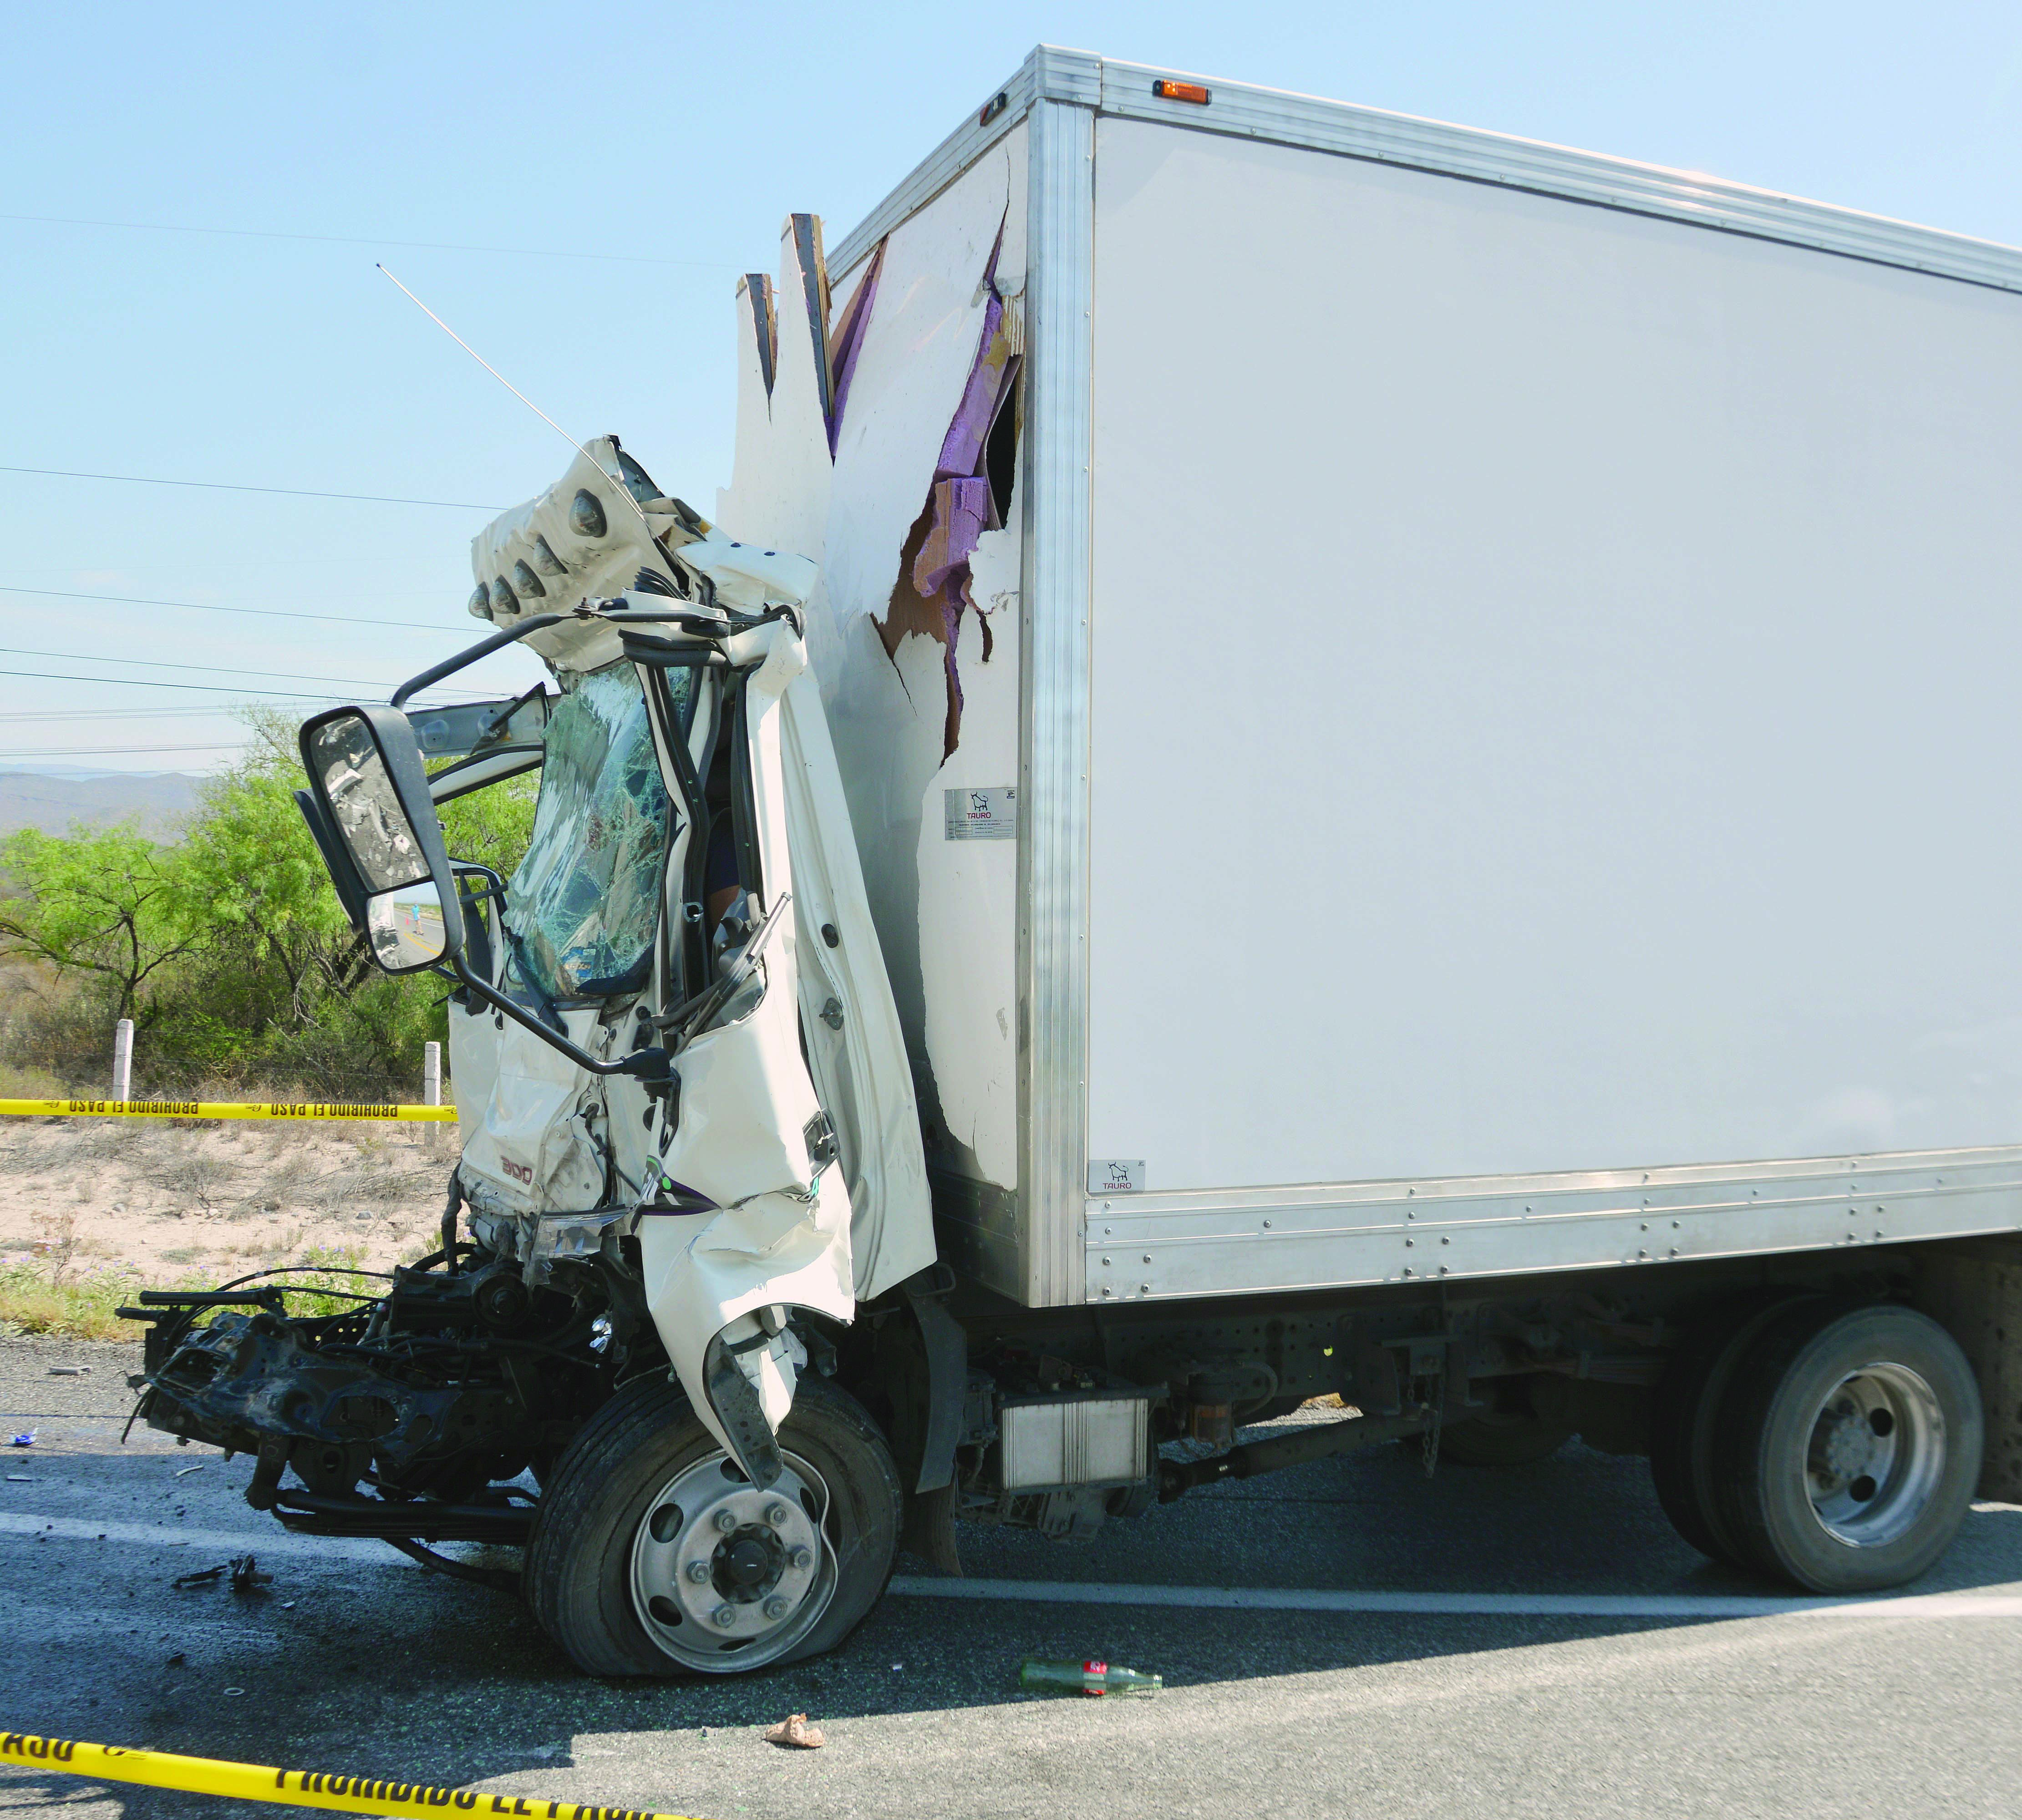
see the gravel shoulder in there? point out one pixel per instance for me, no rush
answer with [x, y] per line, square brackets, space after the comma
[176, 1200]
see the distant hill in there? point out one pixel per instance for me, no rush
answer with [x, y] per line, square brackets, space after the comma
[37, 800]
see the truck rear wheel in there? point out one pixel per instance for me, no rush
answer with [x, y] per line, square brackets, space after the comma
[654, 1555]
[1850, 1446]
[1685, 1418]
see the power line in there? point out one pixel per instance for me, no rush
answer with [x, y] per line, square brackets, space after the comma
[215, 669]
[205, 606]
[234, 486]
[150, 713]
[201, 689]
[360, 240]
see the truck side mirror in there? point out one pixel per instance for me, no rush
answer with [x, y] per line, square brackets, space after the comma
[366, 776]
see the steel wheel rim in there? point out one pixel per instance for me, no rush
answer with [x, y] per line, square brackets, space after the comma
[1875, 1455]
[771, 1571]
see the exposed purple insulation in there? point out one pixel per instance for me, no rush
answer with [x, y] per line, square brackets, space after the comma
[961, 449]
[847, 342]
[961, 513]
[960, 506]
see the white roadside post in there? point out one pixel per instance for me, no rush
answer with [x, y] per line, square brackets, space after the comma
[122, 1059]
[431, 1081]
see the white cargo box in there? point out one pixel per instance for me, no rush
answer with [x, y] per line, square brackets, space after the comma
[1497, 748]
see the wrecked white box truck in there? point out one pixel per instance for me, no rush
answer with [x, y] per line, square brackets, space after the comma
[1314, 752]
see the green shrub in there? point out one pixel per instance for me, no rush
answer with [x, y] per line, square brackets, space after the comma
[228, 947]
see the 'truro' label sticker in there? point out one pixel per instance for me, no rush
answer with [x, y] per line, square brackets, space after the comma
[981, 814]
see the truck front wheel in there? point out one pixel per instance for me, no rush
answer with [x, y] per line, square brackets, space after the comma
[654, 1555]
[1849, 1446]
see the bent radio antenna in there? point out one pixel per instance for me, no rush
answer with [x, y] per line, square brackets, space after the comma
[638, 510]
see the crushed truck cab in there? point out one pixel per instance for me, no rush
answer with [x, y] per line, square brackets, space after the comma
[691, 1145]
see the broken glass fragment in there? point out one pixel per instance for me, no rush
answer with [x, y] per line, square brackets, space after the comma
[586, 901]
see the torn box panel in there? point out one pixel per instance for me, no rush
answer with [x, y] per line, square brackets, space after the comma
[913, 366]
[846, 341]
[779, 496]
[908, 327]
[968, 894]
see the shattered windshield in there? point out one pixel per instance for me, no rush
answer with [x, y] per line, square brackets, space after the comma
[585, 900]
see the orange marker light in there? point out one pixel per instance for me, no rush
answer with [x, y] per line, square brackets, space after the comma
[1167, 91]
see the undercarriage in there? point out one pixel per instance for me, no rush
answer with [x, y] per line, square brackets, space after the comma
[416, 1415]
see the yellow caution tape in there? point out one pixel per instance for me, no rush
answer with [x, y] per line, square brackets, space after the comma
[198, 1775]
[222, 1108]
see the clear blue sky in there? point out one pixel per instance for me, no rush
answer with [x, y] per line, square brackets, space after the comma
[668, 142]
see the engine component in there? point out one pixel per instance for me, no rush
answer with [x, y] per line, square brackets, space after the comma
[449, 1382]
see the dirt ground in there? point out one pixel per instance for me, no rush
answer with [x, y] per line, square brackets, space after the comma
[176, 1201]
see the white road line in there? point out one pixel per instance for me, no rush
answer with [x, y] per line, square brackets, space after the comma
[278, 1541]
[273, 1541]
[1464, 1604]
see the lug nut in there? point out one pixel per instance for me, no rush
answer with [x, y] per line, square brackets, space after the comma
[775, 1515]
[801, 1559]
[726, 1521]
[775, 1608]
[723, 1617]
[698, 1572]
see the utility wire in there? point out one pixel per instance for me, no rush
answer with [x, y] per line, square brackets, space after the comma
[205, 606]
[360, 240]
[152, 712]
[234, 486]
[215, 669]
[201, 689]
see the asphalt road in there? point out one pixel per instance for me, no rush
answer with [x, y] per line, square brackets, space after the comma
[1552, 1649]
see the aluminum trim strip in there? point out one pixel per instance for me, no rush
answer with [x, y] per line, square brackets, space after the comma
[1354, 1234]
[1061, 74]
[1246, 112]
[1053, 844]
[935, 172]
[1049, 74]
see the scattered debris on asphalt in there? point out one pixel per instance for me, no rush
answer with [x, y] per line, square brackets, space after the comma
[1097, 1677]
[794, 1733]
[184, 1471]
[178, 1660]
[24, 1440]
[233, 1693]
[244, 1570]
[70, 1371]
[19, 1479]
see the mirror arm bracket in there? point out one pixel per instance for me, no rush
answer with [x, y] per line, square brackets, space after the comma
[653, 1066]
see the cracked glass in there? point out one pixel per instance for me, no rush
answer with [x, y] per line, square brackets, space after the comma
[586, 901]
